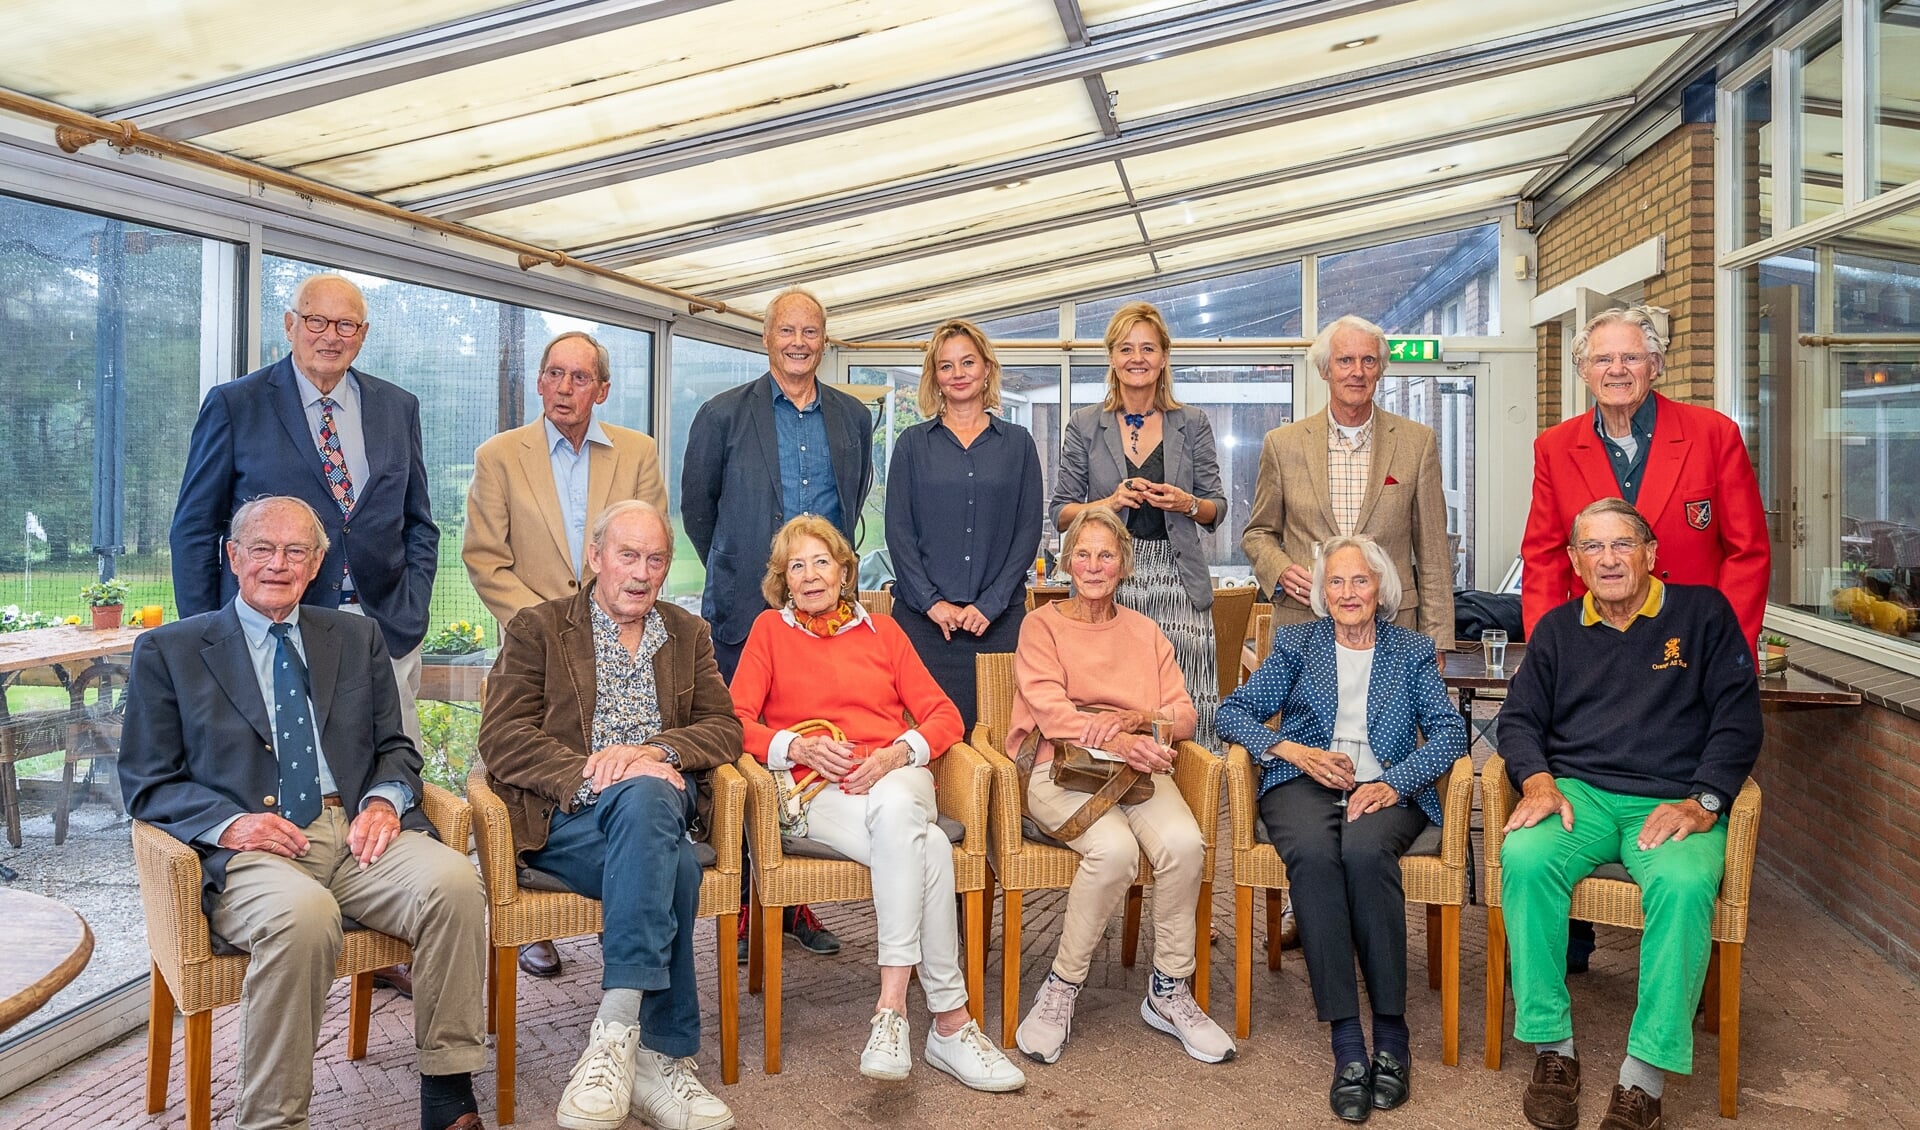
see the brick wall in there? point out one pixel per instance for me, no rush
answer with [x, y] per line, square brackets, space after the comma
[1667, 191]
[1840, 819]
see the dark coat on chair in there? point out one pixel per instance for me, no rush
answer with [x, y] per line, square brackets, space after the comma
[252, 439]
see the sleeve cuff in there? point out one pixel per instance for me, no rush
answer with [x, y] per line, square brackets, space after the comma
[211, 837]
[777, 750]
[922, 753]
[394, 793]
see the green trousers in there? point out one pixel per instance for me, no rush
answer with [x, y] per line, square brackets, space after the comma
[1678, 881]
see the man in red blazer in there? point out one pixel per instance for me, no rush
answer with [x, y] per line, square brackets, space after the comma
[1685, 468]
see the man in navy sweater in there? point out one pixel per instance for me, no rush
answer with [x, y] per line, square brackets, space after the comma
[1629, 730]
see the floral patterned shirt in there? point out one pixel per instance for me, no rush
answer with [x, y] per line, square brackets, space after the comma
[626, 710]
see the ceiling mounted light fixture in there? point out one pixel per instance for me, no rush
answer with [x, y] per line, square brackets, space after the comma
[1353, 43]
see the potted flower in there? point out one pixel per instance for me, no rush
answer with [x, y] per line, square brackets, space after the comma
[459, 642]
[1773, 654]
[108, 600]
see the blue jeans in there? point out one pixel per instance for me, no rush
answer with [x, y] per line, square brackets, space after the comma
[630, 851]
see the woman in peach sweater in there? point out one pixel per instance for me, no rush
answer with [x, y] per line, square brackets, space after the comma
[1090, 671]
[819, 654]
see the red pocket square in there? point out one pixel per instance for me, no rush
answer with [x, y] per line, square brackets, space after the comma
[1392, 482]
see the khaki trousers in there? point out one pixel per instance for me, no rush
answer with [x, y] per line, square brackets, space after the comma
[1165, 830]
[286, 914]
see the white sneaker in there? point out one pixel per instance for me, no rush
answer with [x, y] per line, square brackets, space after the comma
[602, 1083]
[886, 1056]
[970, 1057]
[1179, 1016]
[667, 1095]
[1046, 1028]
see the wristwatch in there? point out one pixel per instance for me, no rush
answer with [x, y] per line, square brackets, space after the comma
[1707, 800]
[1193, 508]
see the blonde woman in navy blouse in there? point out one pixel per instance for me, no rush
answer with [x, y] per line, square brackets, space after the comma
[1345, 789]
[963, 514]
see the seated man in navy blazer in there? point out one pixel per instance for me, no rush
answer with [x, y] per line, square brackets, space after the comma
[267, 736]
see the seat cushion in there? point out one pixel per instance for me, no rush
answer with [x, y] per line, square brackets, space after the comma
[1611, 871]
[534, 879]
[1426, 843]
[1031, 832]
[802, 848]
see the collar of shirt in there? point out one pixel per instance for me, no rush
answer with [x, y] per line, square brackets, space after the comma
[780, 394]
[860, 617]
[1656, 599]
[595, 434]
[346, 393]
[994, 425]
[256, 625]
[653, 633]
[1360, 437]
[1641, 425]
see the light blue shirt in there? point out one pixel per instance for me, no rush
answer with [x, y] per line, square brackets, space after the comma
[570, 481]
[261, 648]
[806, 465]
[346, 422]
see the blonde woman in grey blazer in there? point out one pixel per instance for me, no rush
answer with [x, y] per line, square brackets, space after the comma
[1150, 460]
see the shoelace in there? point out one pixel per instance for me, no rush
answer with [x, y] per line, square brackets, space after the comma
[976, 1041]
[1181, 1007]
[887, 1028]
[1056, 1003]
[602, 1066]
[1553, 1069]
[682, 1082]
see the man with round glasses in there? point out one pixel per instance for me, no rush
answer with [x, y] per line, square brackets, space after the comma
[534, 489]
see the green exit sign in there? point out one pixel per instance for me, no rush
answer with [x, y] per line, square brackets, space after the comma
[1413, 349]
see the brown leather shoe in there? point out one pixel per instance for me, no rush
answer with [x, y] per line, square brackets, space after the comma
[399, 978]
[540, 959]
[1289, 929]
[468, 1122]
[1631, 1109]
[1552, 1101]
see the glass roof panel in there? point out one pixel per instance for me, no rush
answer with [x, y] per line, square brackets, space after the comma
[96, 56]
[928, 226]
[975, 298]
[985, 132]
[685, 75]
[1397, 122]
[1398, 34]
[1096, 12]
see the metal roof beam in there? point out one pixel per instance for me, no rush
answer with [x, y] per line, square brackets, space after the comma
[1428, 73]
[1340, 163]
[388, 62]
[1193, 33]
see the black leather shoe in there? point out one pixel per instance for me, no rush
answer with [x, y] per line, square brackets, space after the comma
[540, 959]
[1352, 1093]
[1392, 1081]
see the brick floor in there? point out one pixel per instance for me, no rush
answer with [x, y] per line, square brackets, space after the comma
[1821, 1029]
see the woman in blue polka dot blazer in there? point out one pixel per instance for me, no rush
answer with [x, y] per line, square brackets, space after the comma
[1345, 789]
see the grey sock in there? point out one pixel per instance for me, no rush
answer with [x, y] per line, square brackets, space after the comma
[1637, 1072]
[622, 1005]
[1562, 1047]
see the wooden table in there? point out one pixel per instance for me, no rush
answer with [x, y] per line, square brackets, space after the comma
[58, 648]
[46, 946]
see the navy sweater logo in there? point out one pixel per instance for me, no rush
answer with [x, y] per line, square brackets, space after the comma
[1672, 656]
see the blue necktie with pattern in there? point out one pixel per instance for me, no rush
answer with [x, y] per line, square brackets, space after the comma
[294, 740]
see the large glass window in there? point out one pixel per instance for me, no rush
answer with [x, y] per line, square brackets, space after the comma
[1753, 131]
[1896, 110]
[1432, 284]
[1445, 404]
[110, 327]
[1261, 304]
[701, 369]
[1820, 126]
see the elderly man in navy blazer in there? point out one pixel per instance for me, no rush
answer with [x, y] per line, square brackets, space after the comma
[343, 441]
[267, 736]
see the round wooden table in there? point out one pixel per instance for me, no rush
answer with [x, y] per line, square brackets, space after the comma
[46, 945]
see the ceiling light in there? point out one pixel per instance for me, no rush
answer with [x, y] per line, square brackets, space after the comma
[1443, 168]
[1353, 43]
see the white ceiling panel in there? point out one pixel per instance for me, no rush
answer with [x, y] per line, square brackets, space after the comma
[975, 297]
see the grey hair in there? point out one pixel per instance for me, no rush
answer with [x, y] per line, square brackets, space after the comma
[1099, 516]
[1613, 505]
[598, 536]
[251, 510]
[1320, 354]
[766, 320]
[602, 362]
[1385, 577]
[1640, 318]
[300, 291]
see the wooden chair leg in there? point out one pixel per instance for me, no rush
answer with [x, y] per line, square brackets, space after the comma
[64, 806]
[1449, 983]
[1203, 948]
[976, 943]
[1496, 984]
[756, 958]
[199, 1067]
[489, 987]
[1130, 930]
[506, 1002]
[1729, 954]
[359, 1014]
[727, 937]
[1433, 946]
[10, 792]
[1242, 960]
[159, 1041]
[1009, 965]
[1710, 992]
[1276, 911]
[770, 969]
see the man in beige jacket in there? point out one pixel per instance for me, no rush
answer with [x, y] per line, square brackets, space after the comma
[1355, 469]
[536, 489]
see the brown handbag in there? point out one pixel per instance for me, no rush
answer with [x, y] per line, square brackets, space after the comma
[1076, 770]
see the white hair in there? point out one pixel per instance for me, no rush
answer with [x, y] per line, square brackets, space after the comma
[1320, 354]
[1386, 578]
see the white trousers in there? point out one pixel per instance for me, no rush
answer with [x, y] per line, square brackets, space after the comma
[891, 830]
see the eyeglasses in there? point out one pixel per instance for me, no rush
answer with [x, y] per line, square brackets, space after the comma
[348, 327]
[1621, 547]
[555, 375]
[261, 552]
[1606, 360]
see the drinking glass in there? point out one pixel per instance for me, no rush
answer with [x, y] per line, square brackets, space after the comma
[1493, 644]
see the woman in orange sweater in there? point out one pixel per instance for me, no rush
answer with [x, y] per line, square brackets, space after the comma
[819, 654]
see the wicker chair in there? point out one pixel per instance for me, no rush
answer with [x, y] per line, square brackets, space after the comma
[782, 878]
[1232, 613]
[1609, 895]
[1434, 872]
[1021, 864]
[526, 906]
[878, 601]
[187, 971]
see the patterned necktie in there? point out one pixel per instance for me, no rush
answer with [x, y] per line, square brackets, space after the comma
[332, 459]
[294, 740]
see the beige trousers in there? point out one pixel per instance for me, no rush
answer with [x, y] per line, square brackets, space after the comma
[1165, 830]
[286, 914]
